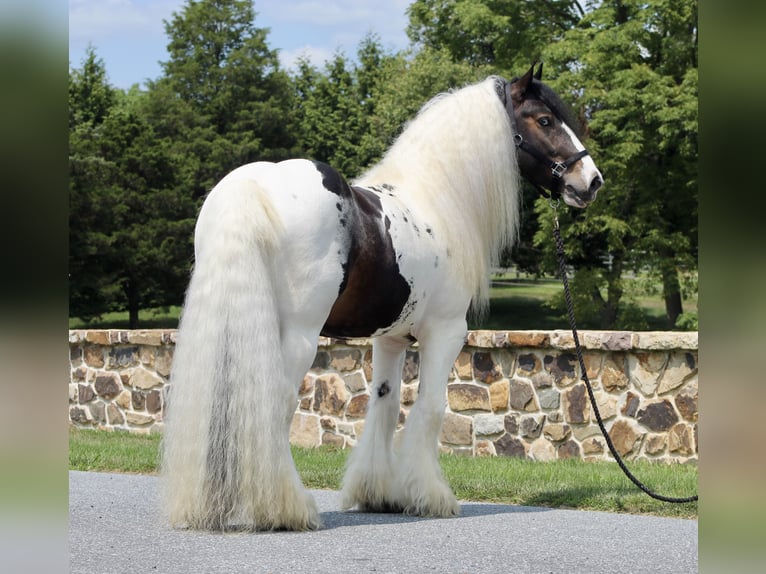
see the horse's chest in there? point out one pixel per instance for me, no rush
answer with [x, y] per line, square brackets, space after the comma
[374, 294]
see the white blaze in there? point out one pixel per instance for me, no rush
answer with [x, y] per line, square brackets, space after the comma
[588, 169]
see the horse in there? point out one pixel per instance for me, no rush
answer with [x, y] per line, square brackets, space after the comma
[287, 252]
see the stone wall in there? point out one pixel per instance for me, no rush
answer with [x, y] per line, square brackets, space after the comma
[510, 393]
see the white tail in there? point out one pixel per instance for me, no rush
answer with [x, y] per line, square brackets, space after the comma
[226, 459]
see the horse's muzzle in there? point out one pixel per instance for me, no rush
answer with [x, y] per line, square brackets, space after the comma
[582, 198]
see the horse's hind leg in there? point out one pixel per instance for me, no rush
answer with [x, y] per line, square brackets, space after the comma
[291, 504]
[421, 484]
[370, 480]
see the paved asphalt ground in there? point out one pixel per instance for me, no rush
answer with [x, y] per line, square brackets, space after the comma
[115, 528]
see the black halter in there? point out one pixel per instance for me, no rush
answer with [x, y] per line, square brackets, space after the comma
[558, 168]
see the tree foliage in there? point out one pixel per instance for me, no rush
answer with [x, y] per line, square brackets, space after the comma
[336, 109]
[140, 162]
[506, 34]
[630, 68]
[90, 100]
[130, 225]
[330, 119]
[224, 89]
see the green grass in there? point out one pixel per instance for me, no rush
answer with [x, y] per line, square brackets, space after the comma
[516, 303]
[571, 484]
[113, 451]
[560, 484]
[520, 304]
[159, 318]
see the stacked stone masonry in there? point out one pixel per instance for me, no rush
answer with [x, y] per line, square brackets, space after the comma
[510, 393]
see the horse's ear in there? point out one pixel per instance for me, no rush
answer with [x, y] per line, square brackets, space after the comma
[520, 86]
[539, 72]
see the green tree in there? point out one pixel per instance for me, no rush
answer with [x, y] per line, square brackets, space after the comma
[90, 95]
[406, 82]
[141, 161]
[91, 98]
[372, 75]
[151, 217]
[130, 223]
[631, 69]
[225, 83]
[330, 114]
[336, 107]
[506, 34]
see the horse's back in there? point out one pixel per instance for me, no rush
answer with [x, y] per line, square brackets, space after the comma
[291, 194]
[293, 187]
[357, 257]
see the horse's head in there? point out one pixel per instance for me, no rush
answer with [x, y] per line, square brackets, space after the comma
[550, 154]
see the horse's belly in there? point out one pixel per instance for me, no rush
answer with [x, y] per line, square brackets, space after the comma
[374, 294]
[372, 303]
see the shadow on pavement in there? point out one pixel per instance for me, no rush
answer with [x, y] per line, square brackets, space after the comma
[342, 519]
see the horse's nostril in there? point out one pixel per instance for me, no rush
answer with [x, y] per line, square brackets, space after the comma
[595, 184]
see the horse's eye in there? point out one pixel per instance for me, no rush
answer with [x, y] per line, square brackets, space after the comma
[544, 121]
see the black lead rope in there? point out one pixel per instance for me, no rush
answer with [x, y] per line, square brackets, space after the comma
[578, 350]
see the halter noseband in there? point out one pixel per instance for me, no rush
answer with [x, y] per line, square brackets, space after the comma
[558, 168]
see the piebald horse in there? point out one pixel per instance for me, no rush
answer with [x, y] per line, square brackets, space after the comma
[286, 252]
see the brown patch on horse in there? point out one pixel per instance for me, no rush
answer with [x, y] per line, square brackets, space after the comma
[373, 292]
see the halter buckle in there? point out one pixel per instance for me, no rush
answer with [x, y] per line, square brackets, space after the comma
[517, 139]
[558, 169]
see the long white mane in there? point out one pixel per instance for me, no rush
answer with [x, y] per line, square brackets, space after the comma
[455, 164]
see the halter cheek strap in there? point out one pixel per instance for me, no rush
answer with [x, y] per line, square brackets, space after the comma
[558, 168]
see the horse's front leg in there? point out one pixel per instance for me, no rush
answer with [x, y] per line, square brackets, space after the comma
[369, 481]
[420, 482]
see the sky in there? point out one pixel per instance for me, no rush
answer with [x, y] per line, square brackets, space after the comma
[129, 35]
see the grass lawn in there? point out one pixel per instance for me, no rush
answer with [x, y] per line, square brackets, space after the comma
[517, 303]
[159, 318]
[561, 484]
